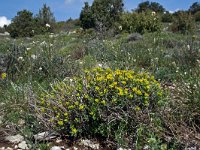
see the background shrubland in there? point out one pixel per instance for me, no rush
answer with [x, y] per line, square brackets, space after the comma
[130, 81]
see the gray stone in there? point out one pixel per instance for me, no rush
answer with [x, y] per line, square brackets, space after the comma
[23, 145]
[90, 144]
[55, 148]
[123, 149]
[9, 148]
[45, 136]
[134, 37]
[14, 139]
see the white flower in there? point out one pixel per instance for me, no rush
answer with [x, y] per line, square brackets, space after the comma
[48, 25]
[100, 65]
[120, 27]
[188, 46]
[43, 43]
[20, 58]
[51, 36]
[153, 13]
[40, 68]
[174, 63]
[28, 49]
[33, 56]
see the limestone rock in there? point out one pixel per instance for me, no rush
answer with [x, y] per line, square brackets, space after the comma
[23, 145]
[14, 139]
[55, 148]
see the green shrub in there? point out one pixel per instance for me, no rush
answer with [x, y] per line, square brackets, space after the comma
[197, 16]
[167, 17]
[101, 102]
[141, 22]
[183, 23]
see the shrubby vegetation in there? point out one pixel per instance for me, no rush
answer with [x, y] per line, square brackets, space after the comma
[141, 23]
[140, 93]
[25, 25]
[101, 102]
[183, 22]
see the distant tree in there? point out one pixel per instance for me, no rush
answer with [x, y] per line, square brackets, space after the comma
[144, 6]
[106, 13]
[22, 25]
[86, 17]
[153, 6]
[44, 17]
[195, 7]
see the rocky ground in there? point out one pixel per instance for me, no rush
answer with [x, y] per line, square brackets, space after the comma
[17, 142]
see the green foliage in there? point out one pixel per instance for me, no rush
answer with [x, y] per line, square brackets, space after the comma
[66, 26]
[190, 86]
[101, 102]
[195, 7]
[183, 22]
[147, 22]
[22, 24]
[150, 6]
[106, 12]
[167, 17]
[86, 17]
[140, 22]
[197, 16]
[44, 17]
[25, 25]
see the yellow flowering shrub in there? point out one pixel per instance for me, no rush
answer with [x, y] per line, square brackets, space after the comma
[99, 100]
[3, 75]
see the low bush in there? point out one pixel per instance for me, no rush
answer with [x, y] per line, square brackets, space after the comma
[183, 23]
[101, 102]
[141, 22]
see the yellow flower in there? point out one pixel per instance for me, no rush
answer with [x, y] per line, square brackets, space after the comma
[99, 78]
[105, 91]
[97, 88]
[131, 96]
[73, 130]
[134, 89]
[96, 100]
[147, 87]
[118, 72]
[76, 103]
[43, 110]
[138, 92]
[146, 95]
[110, 77]
[137, 108]
[71, 107]
[86, 96]
[81, 107]
[60, 123]
[159, 94]
[121, 93]
[124, 82]
[103, 102]
[126, 91]
[3, 75]
[92, 113]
